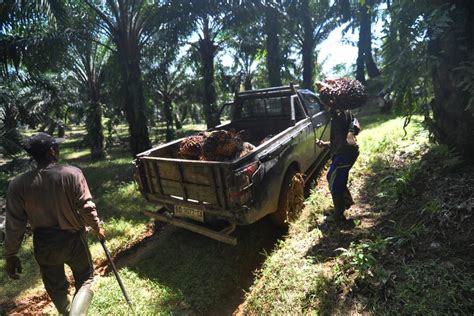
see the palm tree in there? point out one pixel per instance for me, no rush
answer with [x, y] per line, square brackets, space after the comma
[30, 36]
[130, 25]
[211, 20]
[312, 20]
[453, 76]
[166, 78]
[360, 14]
[272, 27]
[272, 17]
[429, 54]
[86, 64]
[10, 140]
[365, 59]
[246, 45]
[30, 45]
[86, 61]
[215, 21]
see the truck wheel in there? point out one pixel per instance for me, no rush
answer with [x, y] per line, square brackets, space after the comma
[290, 202]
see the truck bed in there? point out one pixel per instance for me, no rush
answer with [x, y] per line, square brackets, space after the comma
[253, 131]
[201, 184]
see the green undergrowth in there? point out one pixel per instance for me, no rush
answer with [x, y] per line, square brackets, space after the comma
[148, 297]
[410, 251]
[435, 287]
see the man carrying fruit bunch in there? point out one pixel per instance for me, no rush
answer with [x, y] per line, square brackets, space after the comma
[339, 96]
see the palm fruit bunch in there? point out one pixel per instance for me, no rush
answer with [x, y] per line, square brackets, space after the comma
[218, 145]
[246, 148]
[190, 147]
[342, 93]
[221, 145]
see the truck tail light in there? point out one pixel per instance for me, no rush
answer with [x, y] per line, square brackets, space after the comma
[250, 169]
[240, 183]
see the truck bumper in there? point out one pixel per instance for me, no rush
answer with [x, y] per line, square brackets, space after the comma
[222, 235]
[240, 216]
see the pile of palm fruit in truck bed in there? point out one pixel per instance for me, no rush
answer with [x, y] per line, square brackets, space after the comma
[343, 93]
[218, 145]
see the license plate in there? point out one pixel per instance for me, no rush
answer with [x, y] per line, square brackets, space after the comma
[187, 212]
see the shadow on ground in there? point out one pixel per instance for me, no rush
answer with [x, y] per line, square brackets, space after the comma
[422, 213]
[211, 276]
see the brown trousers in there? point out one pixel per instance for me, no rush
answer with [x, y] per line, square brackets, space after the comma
[53, 248]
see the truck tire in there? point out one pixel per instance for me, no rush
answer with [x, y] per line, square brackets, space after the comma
[291, 200]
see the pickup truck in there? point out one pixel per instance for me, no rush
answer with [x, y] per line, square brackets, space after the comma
[283, 123]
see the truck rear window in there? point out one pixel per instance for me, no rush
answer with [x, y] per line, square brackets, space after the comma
[279, 106]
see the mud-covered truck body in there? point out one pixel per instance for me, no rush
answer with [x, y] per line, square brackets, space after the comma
[282, 122]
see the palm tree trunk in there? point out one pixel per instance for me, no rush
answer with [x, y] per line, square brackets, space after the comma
[308, 57]
[207, 50]
[9, 120]
[177, 121]
[134, 106]
[9, 136]
[248, 82]
[61, 130]
[453, 119]
[51, 127]
[195, 117]
[360, 70]
[365, 58]
[95, 130]
[372, 69]
[168, 111]
[307, 49]
[272, 29]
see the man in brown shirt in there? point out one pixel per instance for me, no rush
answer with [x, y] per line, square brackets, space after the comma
[56, 201]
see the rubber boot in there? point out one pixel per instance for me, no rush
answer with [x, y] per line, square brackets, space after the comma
[81, 302]
[339, 206]
[62, 305]
[348, 201]
[338, 213]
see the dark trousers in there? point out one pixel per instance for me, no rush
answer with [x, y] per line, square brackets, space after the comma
[53, 248]
[338, 173]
